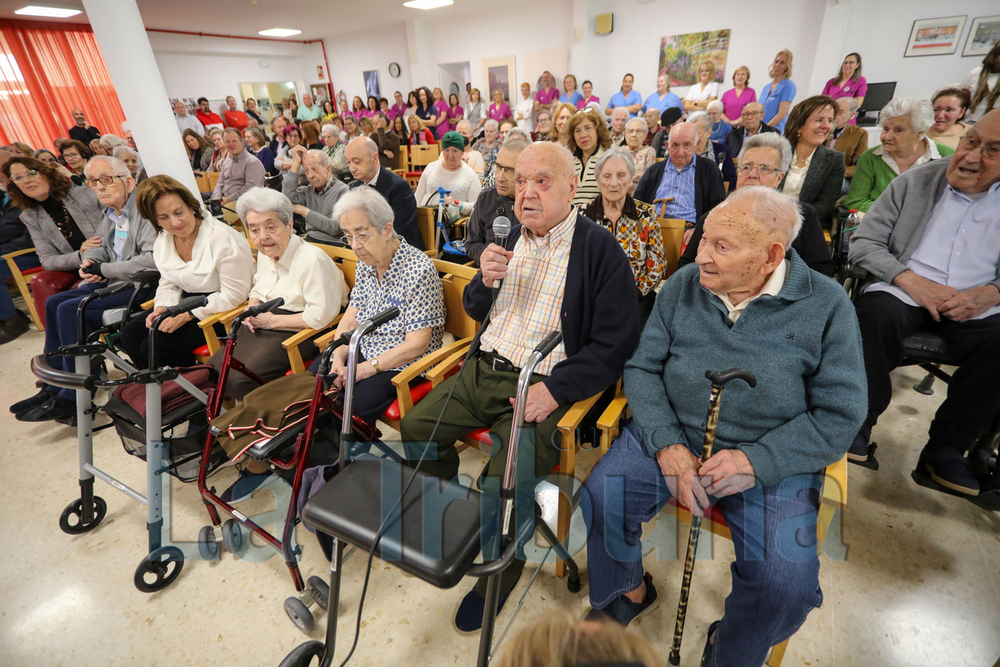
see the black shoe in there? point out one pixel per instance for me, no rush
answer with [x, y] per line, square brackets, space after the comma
[469, 617]
[623, 611]
[33, 402]
[246, 485]
[859, 448]
[950, 468]
[54, 408]
[706, 655]
[12, 328]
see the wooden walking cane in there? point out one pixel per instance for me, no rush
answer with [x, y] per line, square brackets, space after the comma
[719, 381]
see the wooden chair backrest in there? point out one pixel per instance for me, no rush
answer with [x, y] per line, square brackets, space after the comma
[454, 281]
[404, 156]
[426, 220]
[344, 258]
[421, 156]
[204, 184]
[213, 178]
[673, 238]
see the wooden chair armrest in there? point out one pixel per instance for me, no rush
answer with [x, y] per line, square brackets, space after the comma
[402, 379]
[291, 345]
[17, 253]
[835, 484]
[327, 338]
[461, 348]
[225, 317]
[610, 420]
[571, 420]
[147, 304]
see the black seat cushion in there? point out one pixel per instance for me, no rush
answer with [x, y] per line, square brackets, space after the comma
[438, 550]
[929, 347]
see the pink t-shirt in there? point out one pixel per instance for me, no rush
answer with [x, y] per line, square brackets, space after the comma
[732, 105]
[455, 115]
[543, 97]
[584, 102]
[502, 112]
[441, 109]
[397, 111]
[850, 88]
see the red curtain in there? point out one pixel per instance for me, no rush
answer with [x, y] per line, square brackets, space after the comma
[46, 71]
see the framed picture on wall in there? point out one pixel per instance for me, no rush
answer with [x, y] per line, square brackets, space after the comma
[498, 73]
[373, 87]
[984, 33]
[935, 37]
[320, 93]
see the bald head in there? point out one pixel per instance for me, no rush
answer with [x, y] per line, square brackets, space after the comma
[682, 144]
[362, 158]
[78, 117]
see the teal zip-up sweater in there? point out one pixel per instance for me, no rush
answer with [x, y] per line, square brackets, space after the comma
[804, 347]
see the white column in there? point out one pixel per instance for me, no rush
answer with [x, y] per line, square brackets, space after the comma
[128, 56]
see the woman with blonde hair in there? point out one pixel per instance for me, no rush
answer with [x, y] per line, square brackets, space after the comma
[779, 92]
[705, 91]
[559, 640]
[571, 96]
[560, 123]
[737, 97]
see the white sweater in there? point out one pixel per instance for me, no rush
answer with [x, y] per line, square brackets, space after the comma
[463, 184]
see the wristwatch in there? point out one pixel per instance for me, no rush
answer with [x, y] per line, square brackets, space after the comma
[374, 362]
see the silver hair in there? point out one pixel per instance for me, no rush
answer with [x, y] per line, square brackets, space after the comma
[920, 112]
[370, 203]
[702, 120]
[641, 121]
[714, 105]
[112, 140]
[461, 122]
[777, 213]
[320, 156]
[771, 140]
[122, 150]
[517, 139]
[117, 166]
[617, 109]
[619, 152]
[331, 128]
[264, 200]
[855, 105]
[492, 124]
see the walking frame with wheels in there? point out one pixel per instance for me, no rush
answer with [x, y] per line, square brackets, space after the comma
[427, 527]
[274, 452]
[164, 560]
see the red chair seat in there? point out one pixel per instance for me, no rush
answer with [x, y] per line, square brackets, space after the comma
[33, 270]
[46, 283]
[715, 516]
[202, 351]
[417, 392]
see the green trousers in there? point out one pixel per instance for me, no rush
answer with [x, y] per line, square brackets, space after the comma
[482, 398]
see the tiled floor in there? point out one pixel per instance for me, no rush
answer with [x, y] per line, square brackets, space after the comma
[920, 584]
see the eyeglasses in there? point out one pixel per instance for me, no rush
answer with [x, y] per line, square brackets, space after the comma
[762, 169]
[360, 238]
[106, 181]
[501, 170]
[28, 175]
[970, 143]
[752, 113]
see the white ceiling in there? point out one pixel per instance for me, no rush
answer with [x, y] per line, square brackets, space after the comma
[315, 18]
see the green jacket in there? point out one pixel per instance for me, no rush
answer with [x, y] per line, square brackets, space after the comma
[873, 176]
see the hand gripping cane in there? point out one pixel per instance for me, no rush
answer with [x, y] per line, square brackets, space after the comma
[719, 381]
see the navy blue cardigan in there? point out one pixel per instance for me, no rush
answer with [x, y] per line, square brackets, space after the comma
[600, 314]
[404, 206]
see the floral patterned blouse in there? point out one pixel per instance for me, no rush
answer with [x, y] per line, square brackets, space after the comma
[638, 232]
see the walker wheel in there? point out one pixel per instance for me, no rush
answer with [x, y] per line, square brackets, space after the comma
[573, 585]
[163, 564]
[300, 614]
[232, 537]
[320, 590]
[208, 548]
[302, 655]
[75, 509]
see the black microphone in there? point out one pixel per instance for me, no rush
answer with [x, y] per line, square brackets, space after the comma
[501, 230]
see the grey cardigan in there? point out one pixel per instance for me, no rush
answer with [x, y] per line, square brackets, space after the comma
[891, 230]
[54, 251]
[319, 222]
[822, 183]
[137, 253]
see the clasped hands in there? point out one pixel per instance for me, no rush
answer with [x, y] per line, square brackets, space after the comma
[691, 481]
[938, 300]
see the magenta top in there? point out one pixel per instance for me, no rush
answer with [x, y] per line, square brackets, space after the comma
[454, 115]
[397, 110]
[850, 88]
[543, 97]
[587, 100]
[732, 105]
[441, 110]
[502, 112]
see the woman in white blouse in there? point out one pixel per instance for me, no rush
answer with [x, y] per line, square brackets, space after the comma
[524, 108]
[195, 255]
[311, 285]
[705, 91]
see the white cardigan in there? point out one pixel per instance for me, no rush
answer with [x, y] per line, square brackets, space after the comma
[221, 265]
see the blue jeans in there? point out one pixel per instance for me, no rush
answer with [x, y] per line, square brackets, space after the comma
[60, 323]
[776, 573]
[23, 262]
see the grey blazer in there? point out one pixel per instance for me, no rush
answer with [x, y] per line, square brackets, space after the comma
[822, 184]
[137, 253]
[53, 249]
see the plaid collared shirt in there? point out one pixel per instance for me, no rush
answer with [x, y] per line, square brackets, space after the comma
[531, 297]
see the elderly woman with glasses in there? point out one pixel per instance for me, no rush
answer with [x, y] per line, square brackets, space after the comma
[643, 156]
[904, 146]
[633, 223]
[75, 155]
[195, 255]
[313, 289]
[390, 272]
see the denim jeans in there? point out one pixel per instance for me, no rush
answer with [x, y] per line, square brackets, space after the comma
[776, 573]
[23, 262]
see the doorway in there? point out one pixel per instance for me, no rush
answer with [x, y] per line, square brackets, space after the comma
[268, 96]
[452, 78]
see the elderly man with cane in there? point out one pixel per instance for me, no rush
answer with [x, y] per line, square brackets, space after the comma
[763, 310]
